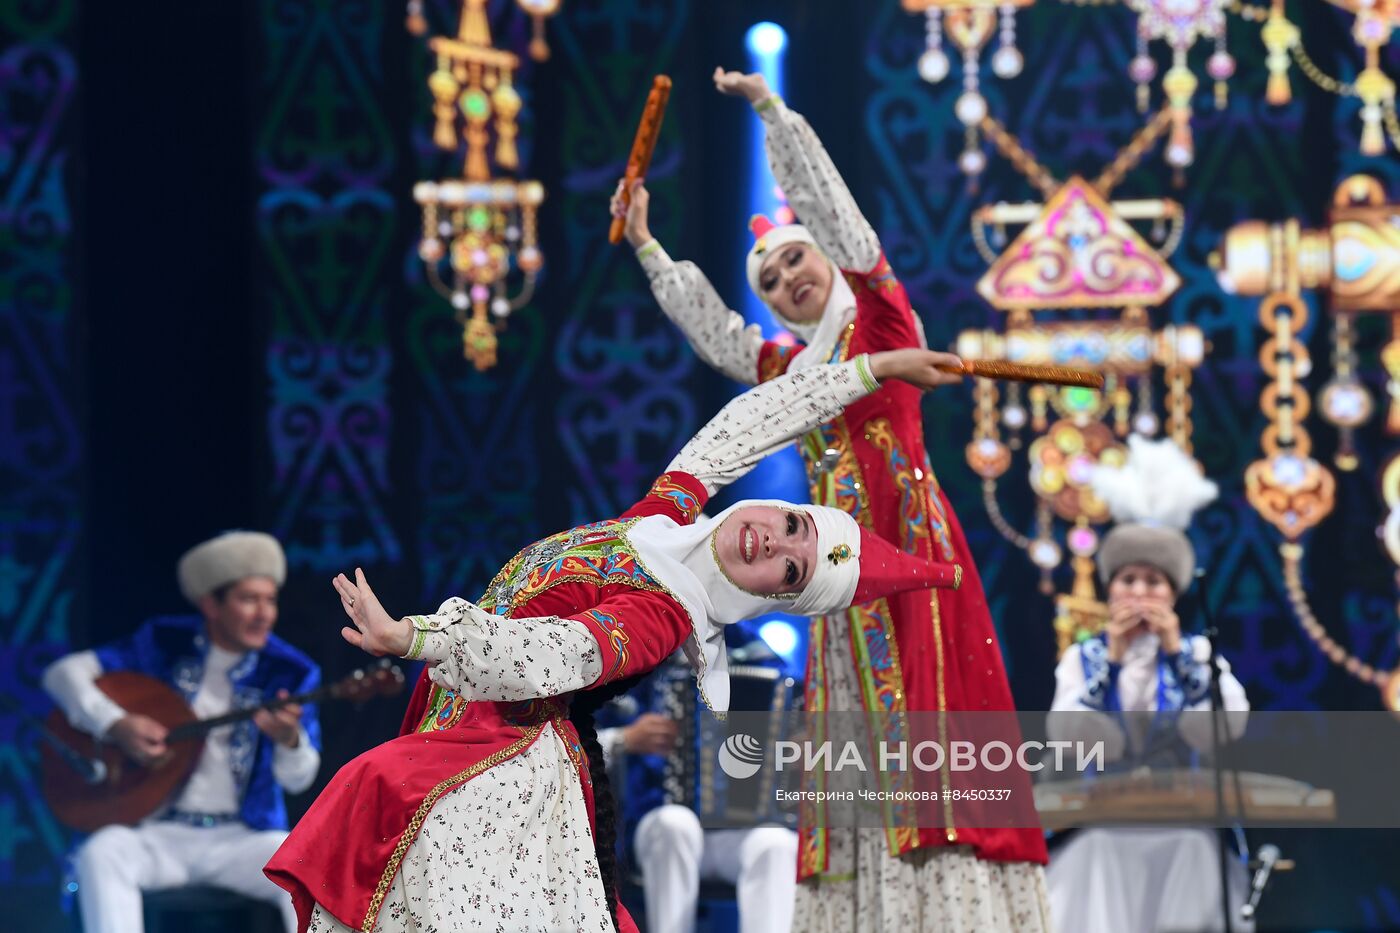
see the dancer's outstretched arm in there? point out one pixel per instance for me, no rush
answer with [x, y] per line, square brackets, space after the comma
[808, 178]
[768, 417]
[480, 655]
[716, 333]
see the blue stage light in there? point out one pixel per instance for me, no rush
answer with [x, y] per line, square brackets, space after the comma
[780, 636]
[766, 39]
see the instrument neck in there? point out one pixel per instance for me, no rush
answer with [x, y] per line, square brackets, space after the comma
[202, 727]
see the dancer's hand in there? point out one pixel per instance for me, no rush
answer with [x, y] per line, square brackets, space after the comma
[917, 367]
[751, 87]
[636, 229]
[375, 630]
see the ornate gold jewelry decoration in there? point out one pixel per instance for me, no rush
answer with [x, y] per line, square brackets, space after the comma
[1079, 250]
[1180, 23]
[1354, 260]
[969, 25]
[839, 554]
[482, 227]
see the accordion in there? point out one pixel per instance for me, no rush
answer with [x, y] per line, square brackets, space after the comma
[693, 776]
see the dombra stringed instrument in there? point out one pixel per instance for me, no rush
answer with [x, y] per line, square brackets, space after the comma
[90, 783]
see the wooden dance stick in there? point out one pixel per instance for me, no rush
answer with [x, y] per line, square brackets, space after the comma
[643, 145]
[1026, 372]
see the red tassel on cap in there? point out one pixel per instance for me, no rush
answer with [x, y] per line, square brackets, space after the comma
[760, 226]
[886, 570]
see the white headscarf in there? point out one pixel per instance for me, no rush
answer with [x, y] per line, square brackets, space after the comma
[682, 559]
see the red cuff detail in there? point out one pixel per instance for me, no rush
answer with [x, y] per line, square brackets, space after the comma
[773, 359]
[683, 492]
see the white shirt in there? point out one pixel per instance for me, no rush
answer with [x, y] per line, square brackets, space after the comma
[211, 788]
[1137, 691]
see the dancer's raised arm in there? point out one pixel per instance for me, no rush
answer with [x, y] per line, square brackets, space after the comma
[768, 417]
[808, 178]
[716, 333]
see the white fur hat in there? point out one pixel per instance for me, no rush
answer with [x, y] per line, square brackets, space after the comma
[768, 237]
[232, 556]
[1152, 498]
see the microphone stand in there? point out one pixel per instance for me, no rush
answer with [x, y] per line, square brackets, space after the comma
[1217, 709]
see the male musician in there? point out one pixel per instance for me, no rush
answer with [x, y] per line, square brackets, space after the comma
[669, 846]
[223, 825]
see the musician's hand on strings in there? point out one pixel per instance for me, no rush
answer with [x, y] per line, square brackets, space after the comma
[141, 737]
[752, 87]
[650, 734]
[282, 724]
[637, 231]
[917, 367]
[375, 631]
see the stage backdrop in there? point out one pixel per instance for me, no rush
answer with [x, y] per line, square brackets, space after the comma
[214, 317]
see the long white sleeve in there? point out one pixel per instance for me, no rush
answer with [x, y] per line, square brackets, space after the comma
[1072, 719]
[815, 190]
[610, 740]
[769, 416]
[70, 681]
[716, 333]
[482, 656]
[295, 768]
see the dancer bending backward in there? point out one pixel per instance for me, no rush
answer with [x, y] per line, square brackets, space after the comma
[483, 814]
[829, 282]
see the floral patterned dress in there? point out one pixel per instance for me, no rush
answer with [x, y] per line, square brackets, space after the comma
[479, 815]
[914, 652]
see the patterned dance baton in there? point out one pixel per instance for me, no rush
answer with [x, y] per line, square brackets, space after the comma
[642, 147]
[1026, 372]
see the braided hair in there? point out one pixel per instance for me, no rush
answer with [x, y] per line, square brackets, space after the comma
[581, 710]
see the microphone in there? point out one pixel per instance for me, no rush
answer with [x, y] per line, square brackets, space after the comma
[1268, 858]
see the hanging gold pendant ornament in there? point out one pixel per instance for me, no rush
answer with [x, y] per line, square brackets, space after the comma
[539, 10]
[1180, 23]
[968, 25]
[1354, 262]
[1077, 251]
[482, 228]
[1375, 21]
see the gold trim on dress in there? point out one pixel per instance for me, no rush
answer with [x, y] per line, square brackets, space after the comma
[421, 814]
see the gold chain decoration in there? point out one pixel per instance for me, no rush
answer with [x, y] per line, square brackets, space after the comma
[1319, 77]
[1025, 162]
[1020, 158]
[1374, 88]
[989, 499]
[1130, 155]
[1292, 554]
